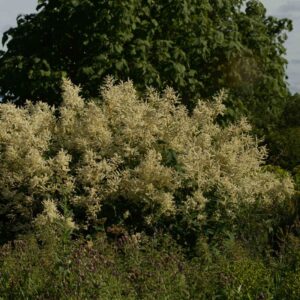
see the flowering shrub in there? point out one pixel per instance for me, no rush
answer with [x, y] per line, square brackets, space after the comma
[127, 159]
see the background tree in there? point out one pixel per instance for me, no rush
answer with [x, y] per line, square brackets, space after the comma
[197, 47]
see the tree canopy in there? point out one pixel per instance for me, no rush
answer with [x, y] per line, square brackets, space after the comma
[197, 47]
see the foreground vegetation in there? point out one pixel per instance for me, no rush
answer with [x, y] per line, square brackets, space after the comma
[140, 267]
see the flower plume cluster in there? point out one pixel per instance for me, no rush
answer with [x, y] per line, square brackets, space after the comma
[150, 154]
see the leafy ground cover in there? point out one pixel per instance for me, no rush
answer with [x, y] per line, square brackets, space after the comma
[140, 267]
